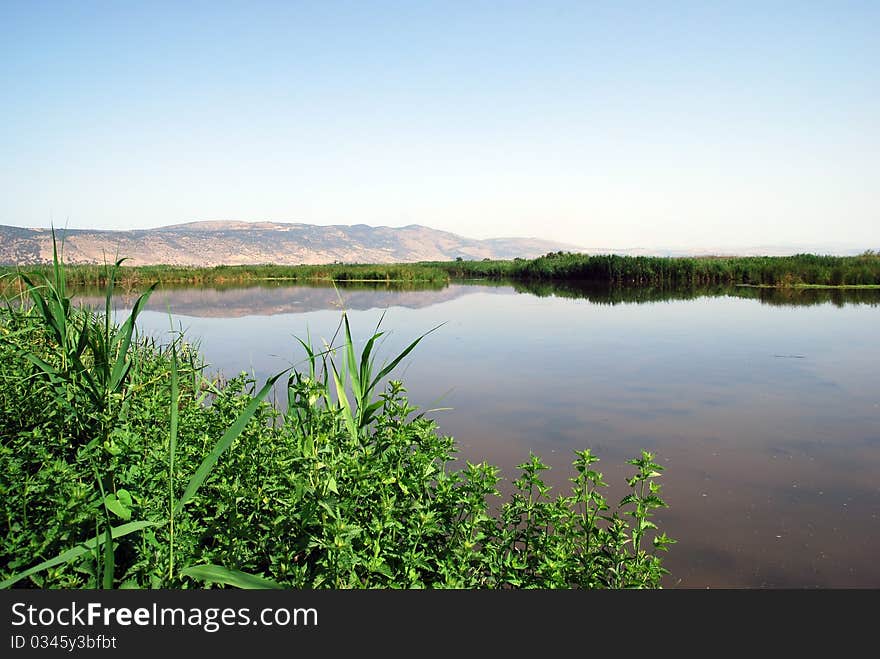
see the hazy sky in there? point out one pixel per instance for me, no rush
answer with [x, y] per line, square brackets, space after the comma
[603, 124]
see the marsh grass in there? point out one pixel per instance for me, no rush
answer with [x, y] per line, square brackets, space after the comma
[96, 276]
[798, 270]
[123, 466]
[773, 271]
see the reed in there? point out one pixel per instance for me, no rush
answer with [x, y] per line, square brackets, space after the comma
[774, 271]
[800, 270]
[138, 276]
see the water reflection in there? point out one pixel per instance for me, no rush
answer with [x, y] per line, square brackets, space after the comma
[282, 297]
[608, 294]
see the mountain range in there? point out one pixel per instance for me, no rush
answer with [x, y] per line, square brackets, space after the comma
[210, 243]
[213, 243]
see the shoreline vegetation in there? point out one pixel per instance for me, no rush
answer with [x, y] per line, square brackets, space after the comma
[798, 271]
[123, 466]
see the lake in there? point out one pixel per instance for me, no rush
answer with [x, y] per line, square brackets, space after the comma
[762, 405]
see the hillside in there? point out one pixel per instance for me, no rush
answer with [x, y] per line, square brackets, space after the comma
[248, 243]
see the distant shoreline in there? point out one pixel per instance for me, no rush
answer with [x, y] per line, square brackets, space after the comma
[789, 272]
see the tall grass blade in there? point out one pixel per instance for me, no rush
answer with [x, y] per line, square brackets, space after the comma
[172, 450]
[76, 552]
[57, 267]
[310, 354]
[390, 367]
[229, 577]
[366, 363]
[352, 363]
[121, 366]
[345, 405]
[42, 307]
[109, 561]
[48, 369]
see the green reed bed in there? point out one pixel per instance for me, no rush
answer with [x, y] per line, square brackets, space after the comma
[801, 270]
[779, 271]
[123, 465]
[139, 276]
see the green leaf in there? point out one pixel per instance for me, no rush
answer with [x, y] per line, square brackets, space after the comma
[119, 505]
[122, 365]
[49, 370]
[345, 406]
[370, 411]
[352, 364]
[229, 577]
[629, 498]
[390, 367]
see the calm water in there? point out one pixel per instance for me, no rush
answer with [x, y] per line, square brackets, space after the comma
[765, 410]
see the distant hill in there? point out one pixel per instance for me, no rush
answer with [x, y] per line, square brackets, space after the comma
[249, 243]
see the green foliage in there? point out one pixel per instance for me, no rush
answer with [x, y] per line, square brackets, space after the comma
[167, 479]
[781, 271]
[134, 276]
[91, 356]
[776, 271]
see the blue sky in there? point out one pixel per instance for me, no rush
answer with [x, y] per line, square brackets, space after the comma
[619, 124]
